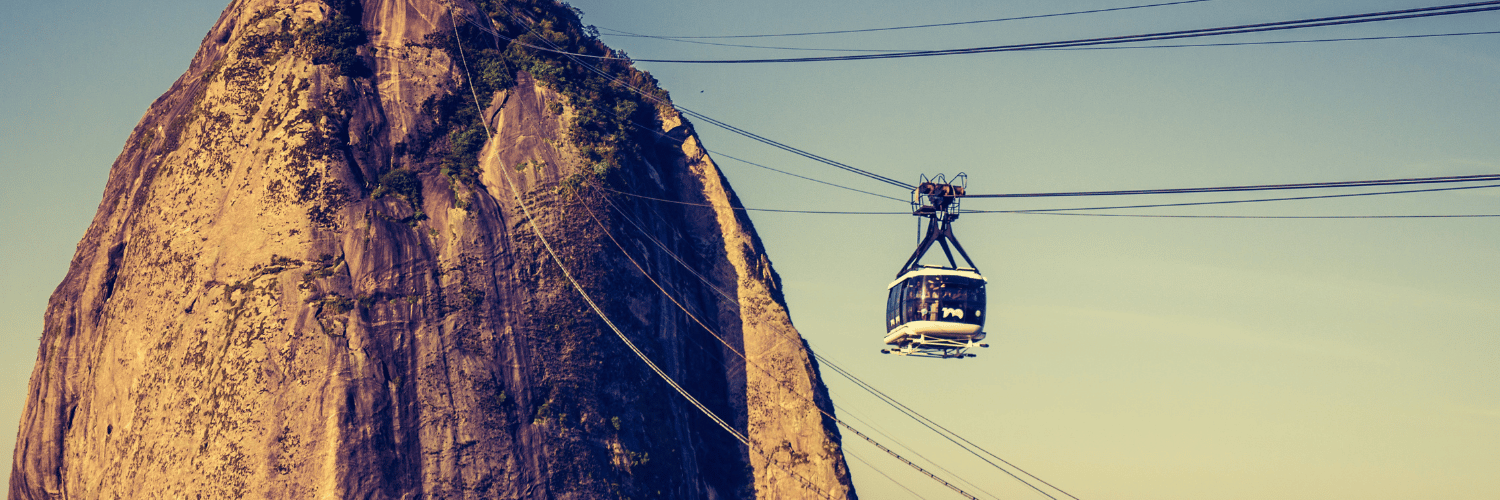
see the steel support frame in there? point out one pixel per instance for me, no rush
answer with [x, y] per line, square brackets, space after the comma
[929, 347]
[940, 231]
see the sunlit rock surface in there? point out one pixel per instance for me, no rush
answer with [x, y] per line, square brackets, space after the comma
[261, 308]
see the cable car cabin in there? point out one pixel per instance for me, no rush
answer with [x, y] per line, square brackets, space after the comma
[935, 311]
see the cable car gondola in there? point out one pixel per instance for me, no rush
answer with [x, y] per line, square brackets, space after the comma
[936, 311]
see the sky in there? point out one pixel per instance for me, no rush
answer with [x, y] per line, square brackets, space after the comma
[1130, 358]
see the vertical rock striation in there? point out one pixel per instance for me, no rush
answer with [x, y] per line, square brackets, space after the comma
[309, 277]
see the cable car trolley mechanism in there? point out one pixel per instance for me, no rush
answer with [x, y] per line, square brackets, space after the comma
[936, 311]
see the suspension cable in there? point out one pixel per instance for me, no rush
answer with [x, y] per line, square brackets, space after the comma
[532, 222]
[584, 294]
[726, 299]
[1393, 15]
[756, 137]
[1280, 42]
[1471, 178]
[729, 301]
[1109, 42]
[823, 212]
[1166, 216]
[1128, 47]
[866, 30]
[924, 420]
[860, 383]
[1261, 187]
[780, 381]
[920, 419]
[534, 227]
[1039, 211]
[840, 370]
[1068, 211]
[887, 476]
[663, 135]
[1229, 202]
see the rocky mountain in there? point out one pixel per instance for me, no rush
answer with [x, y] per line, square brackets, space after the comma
[338, 258]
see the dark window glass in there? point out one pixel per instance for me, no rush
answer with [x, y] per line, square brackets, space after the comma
[936, 298]
[915, 307]
[893, 308]
[955, 299]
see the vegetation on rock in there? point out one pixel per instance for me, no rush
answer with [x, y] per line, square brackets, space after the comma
[605, 109]
[403, 184]
[335, 40]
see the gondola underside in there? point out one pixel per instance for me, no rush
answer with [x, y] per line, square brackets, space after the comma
[937, 339]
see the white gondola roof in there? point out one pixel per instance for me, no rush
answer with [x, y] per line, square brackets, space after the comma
[939, 271]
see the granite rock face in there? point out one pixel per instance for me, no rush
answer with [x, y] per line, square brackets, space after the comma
[308, 279]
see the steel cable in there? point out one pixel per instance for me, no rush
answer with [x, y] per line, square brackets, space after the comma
[1229, 202]
[867, 30]
[1393, 15]
[731, 301]
[859, 383]
[758, 138]
[584, 294]
[746, 359]
[1068, 211]
[1260, 187]
[663, 135]
[1112, 47]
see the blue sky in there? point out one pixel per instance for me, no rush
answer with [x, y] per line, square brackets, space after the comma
[1131, 357]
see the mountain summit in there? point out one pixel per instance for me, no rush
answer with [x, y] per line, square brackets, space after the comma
[341, 256]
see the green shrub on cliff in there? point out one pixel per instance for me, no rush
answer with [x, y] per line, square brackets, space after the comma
[399, 182]
[462, 161]
[405, 184]
[335, 40]
[606, 112]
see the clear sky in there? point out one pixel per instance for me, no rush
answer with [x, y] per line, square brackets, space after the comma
[1131, 358]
